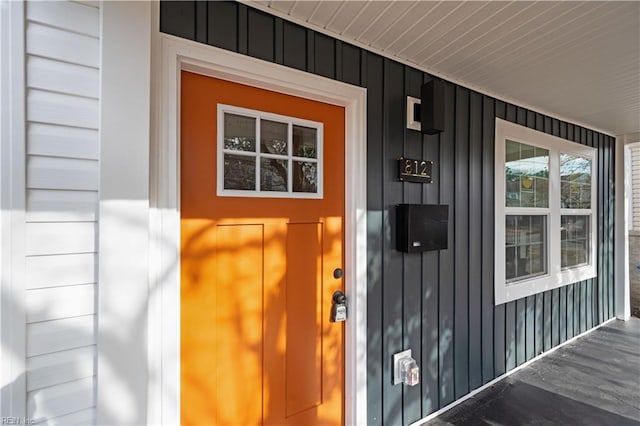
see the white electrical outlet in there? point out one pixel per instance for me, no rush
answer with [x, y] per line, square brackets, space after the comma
[397, 376]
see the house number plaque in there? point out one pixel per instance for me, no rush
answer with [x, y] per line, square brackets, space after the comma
[412, 170]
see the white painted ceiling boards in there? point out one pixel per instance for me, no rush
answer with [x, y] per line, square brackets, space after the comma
[574, 60]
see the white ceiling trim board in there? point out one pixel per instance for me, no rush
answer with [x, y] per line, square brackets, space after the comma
[464, 34]
[426, 33]
[333, 17]
[574, 36]
[408, 8]
[459, 15]
[315, 10]
[355, 18]
[508, 40]
[421, 67]
[399, 38]
[379, 40]
[374, 21]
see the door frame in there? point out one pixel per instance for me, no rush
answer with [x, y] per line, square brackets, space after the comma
[170, 56]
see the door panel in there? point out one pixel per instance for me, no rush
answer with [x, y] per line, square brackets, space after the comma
[304, 322]
[257, 279]
[238, 322]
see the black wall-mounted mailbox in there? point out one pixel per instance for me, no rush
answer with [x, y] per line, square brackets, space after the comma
[421, 227]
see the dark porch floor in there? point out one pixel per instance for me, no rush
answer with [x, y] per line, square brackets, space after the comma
[594, 380]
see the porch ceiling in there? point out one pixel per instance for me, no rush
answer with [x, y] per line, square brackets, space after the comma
[575, 60]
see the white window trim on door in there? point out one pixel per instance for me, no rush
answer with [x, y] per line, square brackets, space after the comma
[171, 55]
[258, 153]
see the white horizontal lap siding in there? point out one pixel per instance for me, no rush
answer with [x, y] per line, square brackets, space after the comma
[45, 205]
[62, 173]
[60, 270]
[60, 367]
[61, 141]
[61, 400]
[58, 335]
[62, 130]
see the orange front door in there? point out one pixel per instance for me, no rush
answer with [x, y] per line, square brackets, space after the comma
[257, 274]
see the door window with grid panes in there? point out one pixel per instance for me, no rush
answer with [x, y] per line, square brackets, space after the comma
[267, 155]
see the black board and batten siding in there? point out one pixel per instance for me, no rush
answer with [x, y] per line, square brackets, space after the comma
[439, 304]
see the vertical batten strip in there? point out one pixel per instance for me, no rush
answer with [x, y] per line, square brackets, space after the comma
[431, 283]
[488, 306]
[500, 310]
[412, 262]
[600, 230]
[461, 244]
[373, 74]
[392, 309]
[611, 225]
[475, 300]
[446, 281]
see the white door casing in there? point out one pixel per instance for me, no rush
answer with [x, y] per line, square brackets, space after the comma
[170, 55]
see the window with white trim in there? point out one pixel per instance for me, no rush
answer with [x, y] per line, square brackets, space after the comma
[545, 207]
[268, 155]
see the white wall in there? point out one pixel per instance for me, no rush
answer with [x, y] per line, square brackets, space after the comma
[12, 214]
[124, 213]
[634, 198]
[50, 192]
[62, 69]
[74, 166]
[627, 218]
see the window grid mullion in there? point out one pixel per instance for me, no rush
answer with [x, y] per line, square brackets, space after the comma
[258, 146]
[290, 156]
[258, 154]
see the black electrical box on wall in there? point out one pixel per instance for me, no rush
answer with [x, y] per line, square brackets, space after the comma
[421, 227]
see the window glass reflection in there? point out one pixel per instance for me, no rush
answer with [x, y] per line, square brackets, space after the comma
[305, 176]
[575, 182]
[574, 240]
[526, 246]
[239, 132]
[239, 172]
[273, 137]
[527, 175]
[305, 142]
[273, 175]
[269, 154]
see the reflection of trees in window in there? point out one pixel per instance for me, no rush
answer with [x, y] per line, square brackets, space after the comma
[526, 175]
[275, 154]
[305, 142]
[305, 177]
[239, 133]
[575, 182]
[574, 237]
[239, 172]
[239, 143]
[525, 245]
[274, 175]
